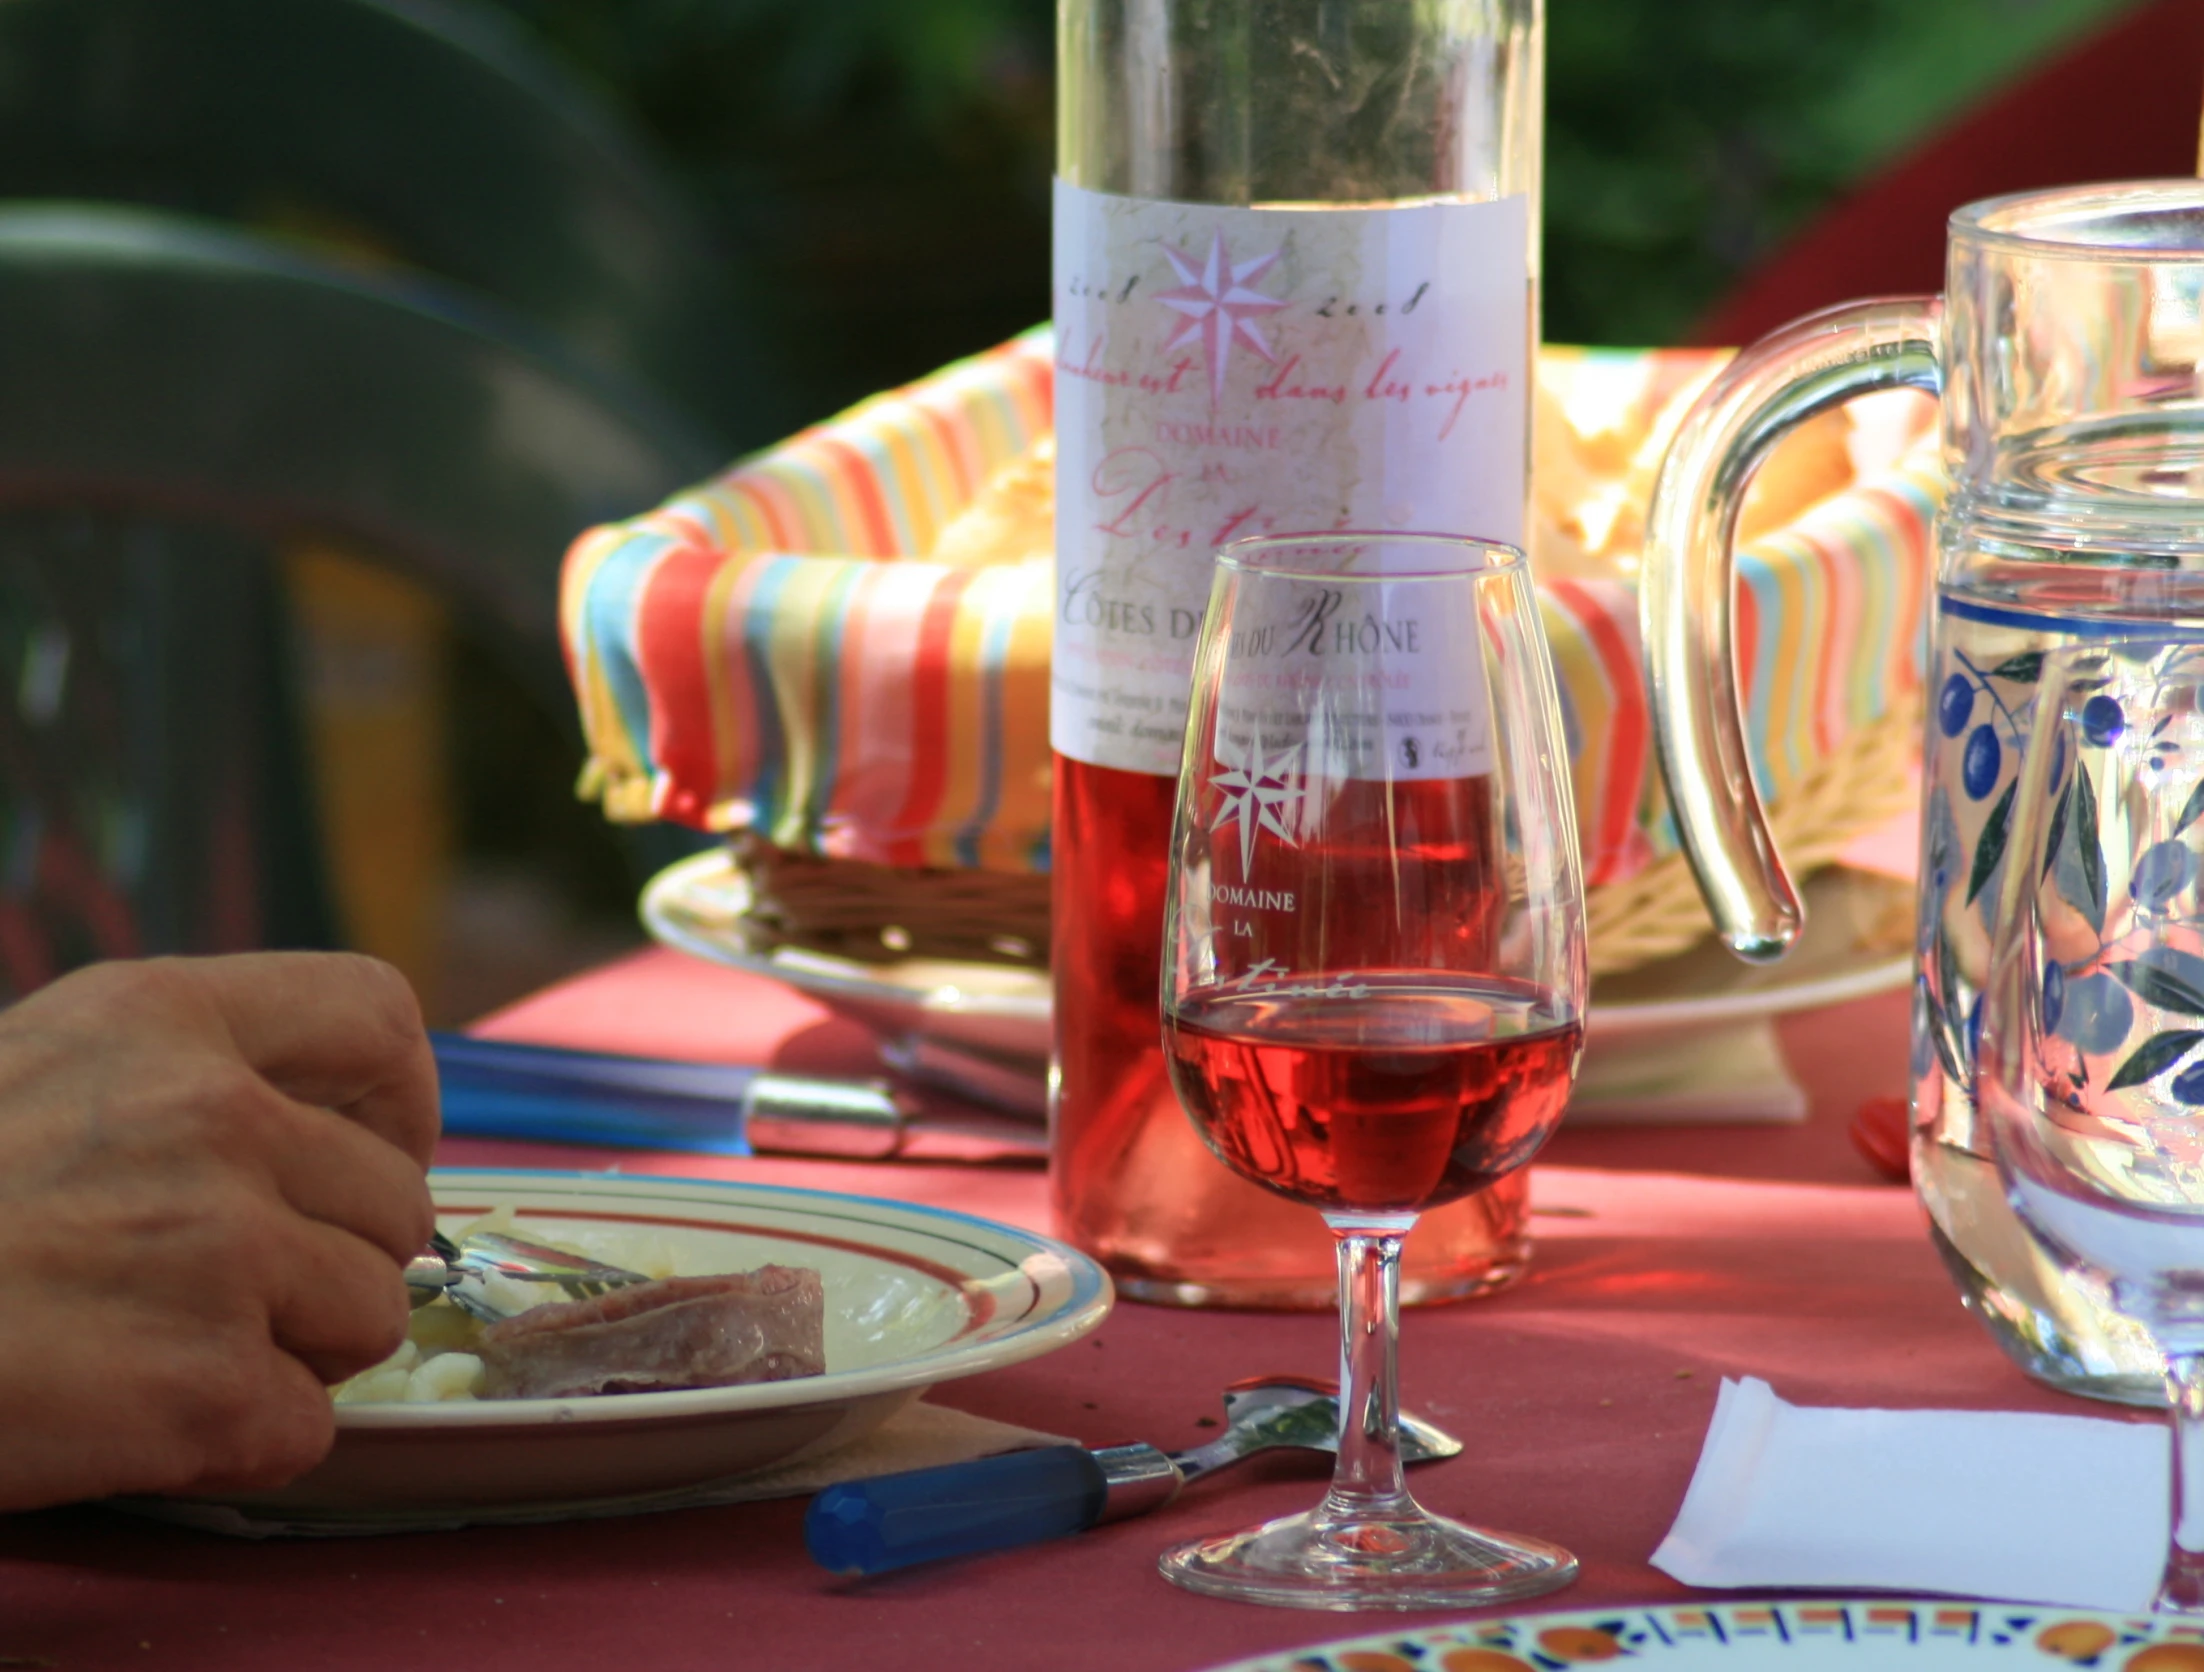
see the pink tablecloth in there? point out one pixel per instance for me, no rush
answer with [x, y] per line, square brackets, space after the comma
[1666, 1260]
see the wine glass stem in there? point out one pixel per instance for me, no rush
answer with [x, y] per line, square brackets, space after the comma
[1367, 1479]
[2182, 1590]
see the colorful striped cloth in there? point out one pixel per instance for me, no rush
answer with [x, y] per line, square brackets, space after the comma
[771, 651]
[768, 652]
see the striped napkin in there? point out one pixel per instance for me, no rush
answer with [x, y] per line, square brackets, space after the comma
[775, 650]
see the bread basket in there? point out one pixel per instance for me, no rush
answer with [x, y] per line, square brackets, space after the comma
[836, 653]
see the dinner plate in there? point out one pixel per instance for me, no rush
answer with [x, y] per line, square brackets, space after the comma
[915, 1296]
[1857, 941]
[1928, 1635]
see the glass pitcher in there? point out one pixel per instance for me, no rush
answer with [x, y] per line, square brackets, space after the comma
[2066, 349]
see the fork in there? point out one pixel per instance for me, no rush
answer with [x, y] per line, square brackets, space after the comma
[460, 1271]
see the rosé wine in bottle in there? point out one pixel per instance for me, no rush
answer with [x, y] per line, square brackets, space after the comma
[1295, 288]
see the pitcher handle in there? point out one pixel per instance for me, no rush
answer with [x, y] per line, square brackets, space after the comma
[1688, 581]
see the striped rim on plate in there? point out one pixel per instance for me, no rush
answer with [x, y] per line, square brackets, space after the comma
[998, 1294]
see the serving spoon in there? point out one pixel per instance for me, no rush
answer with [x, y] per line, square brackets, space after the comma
[1023, 1497]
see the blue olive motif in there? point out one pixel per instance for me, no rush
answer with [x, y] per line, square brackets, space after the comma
[2188, 1085]
[1979, 763]
[2054, 996]
[2097, 1013]
[1955, 705]
[2164, 871]
[2102, 720]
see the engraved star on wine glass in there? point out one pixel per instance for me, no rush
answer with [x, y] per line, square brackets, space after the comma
[1218, 302]
[1259, 791]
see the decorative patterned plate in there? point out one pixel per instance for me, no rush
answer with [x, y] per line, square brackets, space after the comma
[914, 1296]
[1858, 941]
[1742, 1637]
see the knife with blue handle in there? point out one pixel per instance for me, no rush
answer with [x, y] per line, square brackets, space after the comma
[993, 1503]
[494, 1088]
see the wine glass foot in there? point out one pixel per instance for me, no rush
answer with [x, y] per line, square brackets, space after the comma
[1404, 1558]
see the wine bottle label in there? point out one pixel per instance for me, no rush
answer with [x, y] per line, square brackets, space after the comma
[1354, 680]
[1225, 372]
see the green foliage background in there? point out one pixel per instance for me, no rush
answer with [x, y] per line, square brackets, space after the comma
[879, 168]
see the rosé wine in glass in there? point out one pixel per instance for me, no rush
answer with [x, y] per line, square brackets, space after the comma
[1394, 1092]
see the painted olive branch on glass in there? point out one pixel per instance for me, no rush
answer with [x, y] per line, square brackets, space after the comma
[2102, 723]
[2090, 1002]
[1956, 703]
[1967, 692]
[1989, 710]
[1982, 757]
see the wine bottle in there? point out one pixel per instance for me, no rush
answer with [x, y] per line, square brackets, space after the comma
[1295, 289]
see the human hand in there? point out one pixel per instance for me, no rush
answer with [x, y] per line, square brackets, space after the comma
[211, 1173]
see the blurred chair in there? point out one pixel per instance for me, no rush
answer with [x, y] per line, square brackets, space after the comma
[177, 400]
[461, 175]
[2123, 103]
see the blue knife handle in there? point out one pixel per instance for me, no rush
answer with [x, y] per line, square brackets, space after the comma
[500, 1089]
[894, 1521]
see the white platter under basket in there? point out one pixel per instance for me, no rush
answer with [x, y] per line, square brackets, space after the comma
[701, 905]
[914, 1297]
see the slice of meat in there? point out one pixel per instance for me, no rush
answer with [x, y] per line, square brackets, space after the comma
[682, 1332]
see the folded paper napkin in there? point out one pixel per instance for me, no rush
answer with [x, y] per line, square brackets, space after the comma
[2017, 1506]
[919, 1436]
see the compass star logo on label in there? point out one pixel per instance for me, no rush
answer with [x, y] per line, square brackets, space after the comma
[1219, 303]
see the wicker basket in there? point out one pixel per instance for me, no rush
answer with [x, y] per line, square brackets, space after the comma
[876, 913]
[879, 913]
[1853, 789]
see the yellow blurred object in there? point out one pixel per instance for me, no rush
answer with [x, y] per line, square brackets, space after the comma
[1012, 518]
[1807, 466]
[373, 652]
[1601, 423]
[373, 657]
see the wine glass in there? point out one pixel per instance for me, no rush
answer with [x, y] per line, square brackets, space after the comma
[2090, 1068]
[1374, 975]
